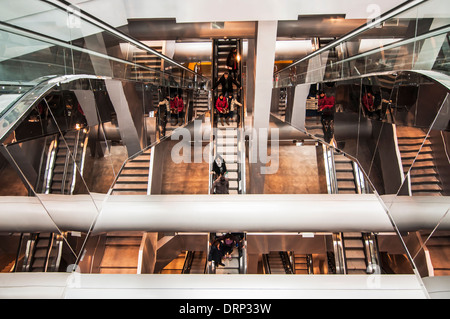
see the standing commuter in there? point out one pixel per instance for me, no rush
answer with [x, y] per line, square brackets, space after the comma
[234, 108]
[179, 106]
[326, 107]
[221, 185]
[216, 254]
[233, 63]
[163, 112]
[227, 84]
[222, 107]
[219, 167]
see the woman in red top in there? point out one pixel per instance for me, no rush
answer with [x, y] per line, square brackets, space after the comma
[222, 107]
[368, 102]
[326, 107]
[179, 105]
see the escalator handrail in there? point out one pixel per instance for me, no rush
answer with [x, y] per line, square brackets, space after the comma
[19, 110]
[386, 16]
[68, 7]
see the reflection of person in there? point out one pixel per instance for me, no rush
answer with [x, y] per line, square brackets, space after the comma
[180, 105]
[173, 110]
[326, 108]
[368, 101]
[163, 111]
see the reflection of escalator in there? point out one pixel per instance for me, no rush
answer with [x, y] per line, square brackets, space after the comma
[150, 61]
[63, 171]
[200, 106]
[345, 174]
[187, 262]
[282, 103]
[438, 248]
[416, 150]
[121, 254]
[195, 263]
[277, 262]
[43, 253]
[351, 249]
[134, 177]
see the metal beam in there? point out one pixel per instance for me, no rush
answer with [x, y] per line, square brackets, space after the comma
[218, 213]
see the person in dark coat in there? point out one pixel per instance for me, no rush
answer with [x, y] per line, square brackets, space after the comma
[229, 241]
[227, 84]
[233, 63]
[215, 254]
[219, 167]
[221, 185]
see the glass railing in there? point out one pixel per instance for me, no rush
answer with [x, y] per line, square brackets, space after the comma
[387, 85]
[52, 38]
[81, 137]
[78, 101]
[414, 36]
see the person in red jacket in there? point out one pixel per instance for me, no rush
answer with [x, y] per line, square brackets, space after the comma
[326, 107]
[179, 104]
[368, 102]
[222, 107]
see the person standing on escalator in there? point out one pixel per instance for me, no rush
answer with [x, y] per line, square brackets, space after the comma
[179, 104]
[216, 254]
[222, 108]
[233, 63]
[326, 108]
[227, 84]
[221, 185]
[219, 167]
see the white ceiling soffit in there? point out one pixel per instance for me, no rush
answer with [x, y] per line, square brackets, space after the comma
[113, 11]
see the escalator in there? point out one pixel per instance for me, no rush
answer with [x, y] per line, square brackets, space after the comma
[355, 253]
[201, 104]
[302, 264]
[68, 157]
[135, 176]
[195, 263]
[277, 262]
[121, 253]
[151, 62]
[417, 159]
[187, 262]
[43, 253]
[236, 263]
[227, 142]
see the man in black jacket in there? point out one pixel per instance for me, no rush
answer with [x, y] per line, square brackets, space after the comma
[227, 84]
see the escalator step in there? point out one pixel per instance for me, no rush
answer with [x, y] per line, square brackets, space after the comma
[354, 253]
[40, 253]
[356, 264]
